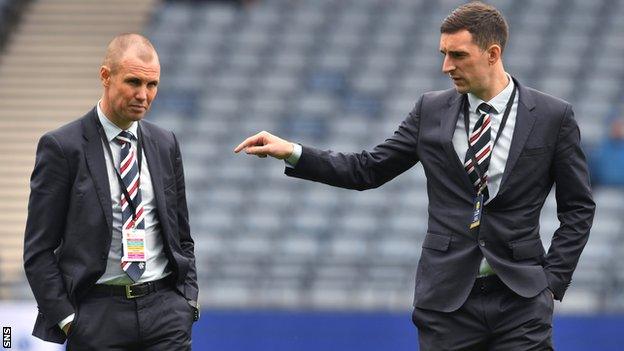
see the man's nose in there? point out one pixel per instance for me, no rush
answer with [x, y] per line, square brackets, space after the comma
[141, 94]
[447, 65]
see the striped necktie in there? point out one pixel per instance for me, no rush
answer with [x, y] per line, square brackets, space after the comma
[481, 144]
[132, 214]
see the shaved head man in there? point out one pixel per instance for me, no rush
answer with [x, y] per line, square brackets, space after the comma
[108, 251]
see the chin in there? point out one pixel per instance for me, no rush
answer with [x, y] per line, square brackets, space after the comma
[136, 116]
[461, 89]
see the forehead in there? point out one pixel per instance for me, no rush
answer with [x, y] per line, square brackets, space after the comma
[134, 66]
[458, 41]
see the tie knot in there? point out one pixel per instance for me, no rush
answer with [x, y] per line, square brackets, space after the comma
[124, 137]
[486, 108]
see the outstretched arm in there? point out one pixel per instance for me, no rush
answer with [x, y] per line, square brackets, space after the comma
[360, 171]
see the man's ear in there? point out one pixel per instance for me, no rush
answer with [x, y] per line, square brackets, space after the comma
[494, 53]
[105, 75]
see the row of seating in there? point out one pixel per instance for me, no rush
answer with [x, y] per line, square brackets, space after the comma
[342, 75]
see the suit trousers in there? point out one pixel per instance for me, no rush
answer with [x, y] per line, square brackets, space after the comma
[493, 318]
[161, 320]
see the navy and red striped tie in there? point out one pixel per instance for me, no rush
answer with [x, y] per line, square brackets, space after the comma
[133, 255]
[481, 144]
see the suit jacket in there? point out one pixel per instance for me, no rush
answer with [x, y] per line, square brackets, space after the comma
[545, 149]
[69, 225]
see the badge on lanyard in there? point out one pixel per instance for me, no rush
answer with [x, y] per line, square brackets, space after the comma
[476, 211]
[133, 240]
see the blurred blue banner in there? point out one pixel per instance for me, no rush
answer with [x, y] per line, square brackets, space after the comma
[313, 331]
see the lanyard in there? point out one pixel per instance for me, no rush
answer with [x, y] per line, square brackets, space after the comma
[139, 157]
[472, 152]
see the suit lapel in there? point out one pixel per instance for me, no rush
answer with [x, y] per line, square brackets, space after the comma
[448, 123]
[525, 120]
[97, 165]
[150, 147]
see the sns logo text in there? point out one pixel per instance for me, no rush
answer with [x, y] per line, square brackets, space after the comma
[6, 337]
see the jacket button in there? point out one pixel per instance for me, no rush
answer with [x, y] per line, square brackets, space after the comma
[481, 242]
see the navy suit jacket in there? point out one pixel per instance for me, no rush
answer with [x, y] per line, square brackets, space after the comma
[69, 225]
[545, 150]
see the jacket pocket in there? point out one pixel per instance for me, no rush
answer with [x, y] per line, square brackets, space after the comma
[535, 150]
[436, 242]
[526, 249]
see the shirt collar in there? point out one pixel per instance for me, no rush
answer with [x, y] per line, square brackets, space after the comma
[110, 128]
[499, 102]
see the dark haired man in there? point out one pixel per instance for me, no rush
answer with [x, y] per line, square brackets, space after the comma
[491, 149]
[107, 249]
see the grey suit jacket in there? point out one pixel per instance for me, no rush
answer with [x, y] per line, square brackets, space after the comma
[545, 150]
[69, 225]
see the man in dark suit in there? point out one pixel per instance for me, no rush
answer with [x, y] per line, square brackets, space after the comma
[483, 281]
[107, 249]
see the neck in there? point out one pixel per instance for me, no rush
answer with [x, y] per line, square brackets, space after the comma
[497, 84]
[122, 125]
[111, 116]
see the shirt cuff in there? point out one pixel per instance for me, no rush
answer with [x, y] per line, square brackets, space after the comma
[67, 319]
[292, 160]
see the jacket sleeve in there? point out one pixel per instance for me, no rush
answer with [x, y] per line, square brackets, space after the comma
[365, 170]
[186, 242]
[575, 206]
[45, 225]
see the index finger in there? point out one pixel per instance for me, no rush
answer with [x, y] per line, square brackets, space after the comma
[248, 142]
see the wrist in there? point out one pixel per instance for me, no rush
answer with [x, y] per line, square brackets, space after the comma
[196, 311]
[293, 158]
[65, 324]
[292, 150]
[66, 328]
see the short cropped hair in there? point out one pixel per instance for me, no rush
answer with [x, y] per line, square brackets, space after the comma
[124, 42]
[486, 24]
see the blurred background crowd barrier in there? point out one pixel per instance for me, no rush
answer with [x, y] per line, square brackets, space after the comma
[285, 264]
